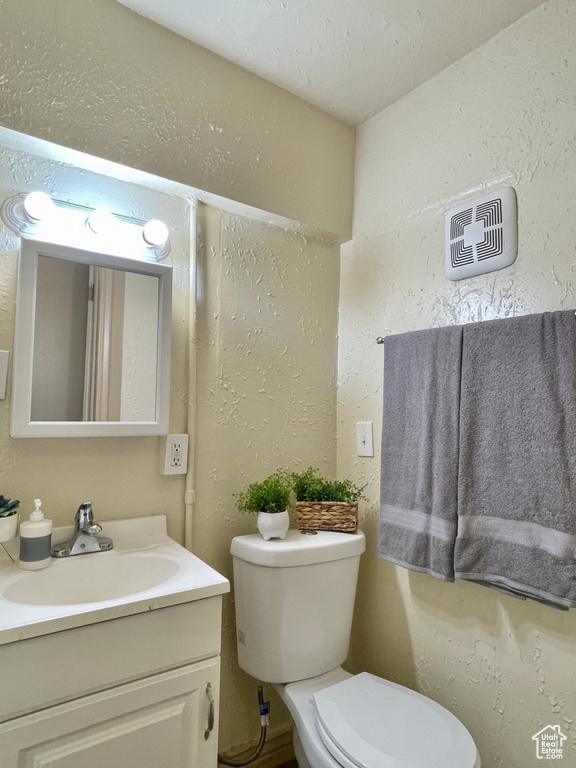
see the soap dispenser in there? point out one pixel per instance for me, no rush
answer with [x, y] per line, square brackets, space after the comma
[35, 540]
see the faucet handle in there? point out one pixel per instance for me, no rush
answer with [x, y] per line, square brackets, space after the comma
[93, 529]
[84, 515]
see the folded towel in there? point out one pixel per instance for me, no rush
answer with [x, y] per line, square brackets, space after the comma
[517, 462]
[418, 511]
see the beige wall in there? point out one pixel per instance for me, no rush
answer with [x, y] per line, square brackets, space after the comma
[505, 115]
[267, 336]
[97, 77]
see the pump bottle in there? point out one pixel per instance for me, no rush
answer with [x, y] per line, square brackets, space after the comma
[35, 540]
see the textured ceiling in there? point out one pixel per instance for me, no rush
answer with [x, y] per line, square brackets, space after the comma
[352, 58]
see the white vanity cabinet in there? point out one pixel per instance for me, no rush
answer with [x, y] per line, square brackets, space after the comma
[134, 692]
[112, 660]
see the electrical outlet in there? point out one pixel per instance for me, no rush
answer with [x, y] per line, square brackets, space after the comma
[364, 438]
[176, 455]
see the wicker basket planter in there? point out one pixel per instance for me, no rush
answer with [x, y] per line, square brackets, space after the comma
[327, 516]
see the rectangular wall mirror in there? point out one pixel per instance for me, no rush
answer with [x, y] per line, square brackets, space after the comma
[92, 344]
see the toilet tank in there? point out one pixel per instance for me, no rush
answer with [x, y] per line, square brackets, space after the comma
[294, 602]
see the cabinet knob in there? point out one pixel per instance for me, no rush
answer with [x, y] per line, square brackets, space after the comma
[210, 711]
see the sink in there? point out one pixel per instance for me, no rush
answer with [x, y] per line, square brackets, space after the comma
[92, 578]
[145, 571]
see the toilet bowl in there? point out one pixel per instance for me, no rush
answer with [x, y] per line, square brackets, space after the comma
[294, 602]
[368, 722]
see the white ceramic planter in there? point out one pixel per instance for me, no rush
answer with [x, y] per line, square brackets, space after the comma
[273, 525]
[8, 527]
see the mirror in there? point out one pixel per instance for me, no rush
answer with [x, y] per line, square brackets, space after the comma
[92, 344]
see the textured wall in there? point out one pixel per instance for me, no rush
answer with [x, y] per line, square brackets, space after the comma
[97, 77]
[505, 115]
[266, 398]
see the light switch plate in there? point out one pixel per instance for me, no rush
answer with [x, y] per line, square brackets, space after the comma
[3, 373]
[364, 438]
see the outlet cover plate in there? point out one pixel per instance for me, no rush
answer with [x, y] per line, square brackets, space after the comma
[176, 455]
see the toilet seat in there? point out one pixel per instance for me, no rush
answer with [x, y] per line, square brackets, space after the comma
[368, 722]
[340, 757]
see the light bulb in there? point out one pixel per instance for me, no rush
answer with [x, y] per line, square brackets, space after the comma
[155, 233]
[101, 221]
[38, 205]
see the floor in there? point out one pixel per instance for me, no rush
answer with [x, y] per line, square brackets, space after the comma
[291, 764]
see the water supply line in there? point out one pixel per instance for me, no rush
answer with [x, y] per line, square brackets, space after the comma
[264, 707]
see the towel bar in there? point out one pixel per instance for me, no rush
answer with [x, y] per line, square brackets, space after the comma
[380, 339]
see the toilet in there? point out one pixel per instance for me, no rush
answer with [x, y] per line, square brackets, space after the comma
[294, 602]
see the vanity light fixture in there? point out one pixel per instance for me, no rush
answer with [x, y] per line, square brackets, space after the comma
[34, 214]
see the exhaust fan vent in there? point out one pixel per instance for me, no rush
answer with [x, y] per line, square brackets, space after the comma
[482, 236]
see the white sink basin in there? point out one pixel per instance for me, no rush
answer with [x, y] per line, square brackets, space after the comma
[92, 578]
[146, 570]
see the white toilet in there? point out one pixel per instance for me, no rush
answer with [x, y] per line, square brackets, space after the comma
[294, 602]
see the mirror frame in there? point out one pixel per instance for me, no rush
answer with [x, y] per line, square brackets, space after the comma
[21, 424]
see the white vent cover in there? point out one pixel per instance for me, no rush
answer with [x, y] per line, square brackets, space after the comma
[482, 236]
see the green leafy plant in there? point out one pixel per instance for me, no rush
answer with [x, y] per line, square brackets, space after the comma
[310, 486]
[7, 507]
[271, 495]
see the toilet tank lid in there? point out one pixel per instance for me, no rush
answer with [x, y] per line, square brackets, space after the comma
[298, 548]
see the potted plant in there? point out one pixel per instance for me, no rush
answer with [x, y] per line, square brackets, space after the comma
[326, 505]
[269, 500]
[8, 518]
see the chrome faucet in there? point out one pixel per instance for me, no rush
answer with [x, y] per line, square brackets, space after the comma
[86, 536]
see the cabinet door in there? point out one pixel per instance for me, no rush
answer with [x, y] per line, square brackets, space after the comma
[158, 722]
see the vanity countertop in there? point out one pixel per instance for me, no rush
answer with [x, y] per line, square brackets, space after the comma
[145, 571]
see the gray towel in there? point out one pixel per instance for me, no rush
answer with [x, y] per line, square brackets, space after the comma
[517, 465]
[418, 511]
